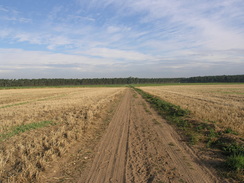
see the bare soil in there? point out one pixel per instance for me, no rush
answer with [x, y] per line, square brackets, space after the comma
[139, 146]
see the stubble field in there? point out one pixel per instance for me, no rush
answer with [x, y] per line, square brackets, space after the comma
[219, 104]
[73, 134]
[37, 126]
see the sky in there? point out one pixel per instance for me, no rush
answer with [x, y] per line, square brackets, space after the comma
[120, 38]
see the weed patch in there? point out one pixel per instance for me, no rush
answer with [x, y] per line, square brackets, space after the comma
[235, 162]
[193, 138]
[233, 149]
[229, 130]
[23, 128]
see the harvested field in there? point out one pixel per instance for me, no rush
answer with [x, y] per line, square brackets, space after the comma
[93, 135]
[38, 126]
[220, 104]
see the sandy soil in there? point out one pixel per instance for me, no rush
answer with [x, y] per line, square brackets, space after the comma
[139, 146]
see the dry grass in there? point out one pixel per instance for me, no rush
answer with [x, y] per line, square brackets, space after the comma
[74, 113]
[220, 104]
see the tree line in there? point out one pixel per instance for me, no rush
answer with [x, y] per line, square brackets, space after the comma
[87, 81]
[117, 81]
[214, 79]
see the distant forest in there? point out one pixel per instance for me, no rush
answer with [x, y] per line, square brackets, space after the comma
[119, 81]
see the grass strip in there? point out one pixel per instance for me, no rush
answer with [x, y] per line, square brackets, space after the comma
[171, 111]
[207, 133]
[6, 106]
[23, 128]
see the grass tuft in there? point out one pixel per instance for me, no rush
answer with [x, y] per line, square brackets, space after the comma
[236, 162]
[233, 149]
[229, 130]
[23, 128]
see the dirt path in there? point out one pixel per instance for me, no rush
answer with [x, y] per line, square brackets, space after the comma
[141, 147]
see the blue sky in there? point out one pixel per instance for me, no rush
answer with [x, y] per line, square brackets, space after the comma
[113, 38]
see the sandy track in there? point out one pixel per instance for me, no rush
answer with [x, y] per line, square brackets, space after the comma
[141, 147]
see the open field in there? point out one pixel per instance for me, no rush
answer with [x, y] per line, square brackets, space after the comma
[106, 134]
[220, 104]
[37, 126]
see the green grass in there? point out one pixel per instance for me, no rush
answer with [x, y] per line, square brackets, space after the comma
[192, 137]
[232, 148]
[235, 162]
[23, 128]
[229, 130]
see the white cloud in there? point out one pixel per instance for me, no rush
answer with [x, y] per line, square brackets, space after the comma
[79, 18]
[33, 38]
[221, 38]
[5, 71]
[59, 41]
[19, 57]
[4, 33]
[113, 29]
[49, 40]
[118, 54]
[3, 9]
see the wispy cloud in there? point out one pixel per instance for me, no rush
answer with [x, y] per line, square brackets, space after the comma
[118, 54]
[12, 15]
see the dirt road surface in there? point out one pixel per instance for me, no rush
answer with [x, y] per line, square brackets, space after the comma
[140, 147]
